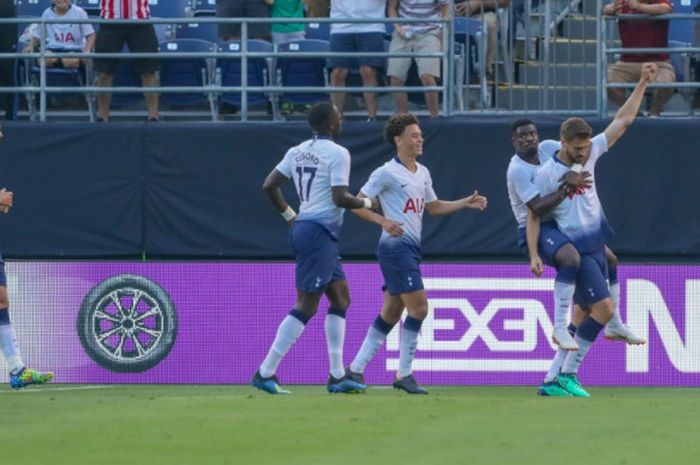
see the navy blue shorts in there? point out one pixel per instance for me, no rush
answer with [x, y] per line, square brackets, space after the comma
[317, 260]
[592, 279]
[400, 264]
[551, 240]
[357, 42]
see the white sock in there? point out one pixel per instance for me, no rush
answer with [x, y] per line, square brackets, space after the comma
[287, 334]
[335, 337]
[407, 350]
[563, 295]
[9, 347]
[573, 359]
[556, 365]
[373, 341]
[616, 321]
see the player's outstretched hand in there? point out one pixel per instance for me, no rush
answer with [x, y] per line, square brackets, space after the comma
[536, 266]
[6, 198]
[648, 72]
[392, 227]
[477, 201]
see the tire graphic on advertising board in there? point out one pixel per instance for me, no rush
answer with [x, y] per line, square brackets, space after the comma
[127, 323]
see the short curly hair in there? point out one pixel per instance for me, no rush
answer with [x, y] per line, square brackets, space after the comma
[397, 124]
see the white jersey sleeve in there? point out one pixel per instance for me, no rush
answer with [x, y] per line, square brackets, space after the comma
[285, 166]
[599, 146]
[376, 183]
[430, 195]
[521, 180]
[340, 169]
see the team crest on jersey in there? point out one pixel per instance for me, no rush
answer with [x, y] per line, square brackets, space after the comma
[414, 205]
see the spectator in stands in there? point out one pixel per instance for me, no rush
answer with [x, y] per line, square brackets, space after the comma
[243, 9]
[8, 40]
[418, 38]
[318, 8]
[484, 10]
[357, 37]
[639, 34]
[140, 39]
[62, 38]
[287, 32]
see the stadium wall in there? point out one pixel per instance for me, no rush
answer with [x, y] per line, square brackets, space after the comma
[192, 191]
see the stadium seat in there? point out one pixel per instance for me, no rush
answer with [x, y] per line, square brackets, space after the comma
[229, 72]
[681, 30]
[31, 7]
[169, 8]
[208, 32]
[681, 65]
[204, 7]
[303, 71]
[187, 72]
[319, 31]
[471, 34]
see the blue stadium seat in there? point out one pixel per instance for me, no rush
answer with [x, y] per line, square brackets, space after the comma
[169, 8]
[204, 7]
[682, 29]
[187, 72]
[31, 7]
[208, 32]
[319, 31]
[303, 71]
[229, 72]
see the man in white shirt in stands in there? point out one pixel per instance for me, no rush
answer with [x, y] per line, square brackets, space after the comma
[357, 37]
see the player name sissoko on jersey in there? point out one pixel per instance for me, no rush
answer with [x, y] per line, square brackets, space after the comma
[307, 156]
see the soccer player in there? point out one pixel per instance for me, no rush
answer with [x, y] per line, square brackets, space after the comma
[553, 247]
[582, 220]
[320, 170]
[404, 189]
[20, 375]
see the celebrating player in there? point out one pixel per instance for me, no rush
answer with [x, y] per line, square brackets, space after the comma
[320, 170]
[582, 220]
[404, 189]
[20, 375]
[553, 247]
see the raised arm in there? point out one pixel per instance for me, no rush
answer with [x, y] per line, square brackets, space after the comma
[446, 207]
[628, 112]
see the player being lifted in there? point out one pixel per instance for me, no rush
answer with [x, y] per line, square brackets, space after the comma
[404, 189]
[554, 248]
[320, 170]
[20, 375]
[581, 219]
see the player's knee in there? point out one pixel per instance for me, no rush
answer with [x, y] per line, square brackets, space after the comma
[341, 303]
[419, 311]
[4, 300]
[603, 311]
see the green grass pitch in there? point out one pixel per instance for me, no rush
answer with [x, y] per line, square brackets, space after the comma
[169, 425]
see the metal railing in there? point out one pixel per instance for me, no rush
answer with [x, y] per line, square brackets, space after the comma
[446, 88]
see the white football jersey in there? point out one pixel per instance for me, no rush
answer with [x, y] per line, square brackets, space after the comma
[403, 195]
[316, 166]
[520, 179]
[581, 217]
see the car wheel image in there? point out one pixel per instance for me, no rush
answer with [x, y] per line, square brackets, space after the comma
[127, 323]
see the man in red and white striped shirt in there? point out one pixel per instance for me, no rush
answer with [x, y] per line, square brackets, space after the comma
[140, 38]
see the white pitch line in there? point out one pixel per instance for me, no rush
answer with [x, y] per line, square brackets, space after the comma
[54, 389]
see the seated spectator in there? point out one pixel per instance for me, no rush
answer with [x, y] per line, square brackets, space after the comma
[638, 34]
[318, 8]
[140, 38]
[287, 32]
[419, 38]
[243, 9]
[62, 38]
[484, 10]
[357, 37]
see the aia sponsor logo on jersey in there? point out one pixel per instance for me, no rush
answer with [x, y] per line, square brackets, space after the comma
[64, 37]
[414, 205]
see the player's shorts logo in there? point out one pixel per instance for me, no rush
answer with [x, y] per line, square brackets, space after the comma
[127, 323]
